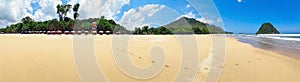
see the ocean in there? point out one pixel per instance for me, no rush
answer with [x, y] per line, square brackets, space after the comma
[285, 44]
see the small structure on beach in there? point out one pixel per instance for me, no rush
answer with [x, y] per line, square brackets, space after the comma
[94, 26]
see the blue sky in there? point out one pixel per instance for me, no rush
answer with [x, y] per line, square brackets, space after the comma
[239, 16]
[247, 16]
[181, 8]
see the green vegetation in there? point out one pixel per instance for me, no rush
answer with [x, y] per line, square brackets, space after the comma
[183, 25]
[75, 9]
[186, 25]
[152, 31]
[267, 28]
[62, 11]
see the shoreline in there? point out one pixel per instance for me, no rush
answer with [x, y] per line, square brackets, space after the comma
[282, 50]
[289, 55]
[245, 63]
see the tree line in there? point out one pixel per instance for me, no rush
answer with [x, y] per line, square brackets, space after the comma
[65, 23]
[145, 30]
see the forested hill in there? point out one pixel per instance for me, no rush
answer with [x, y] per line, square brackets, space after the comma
[186, 25]
[267, 28]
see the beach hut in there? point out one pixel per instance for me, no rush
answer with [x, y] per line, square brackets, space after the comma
[107, 32]
[36, 32]
[79, 32]
[94, 26]
[23, 32]
[101, 32]
[86, 32]
[58, 32]
[66, 32]
[29, 32]
[118, 32]
[53, 32]
[73, 32]
[48, 32]
[94, 32]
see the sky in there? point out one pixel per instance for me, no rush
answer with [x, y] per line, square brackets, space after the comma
[239, 16]
[246, 16]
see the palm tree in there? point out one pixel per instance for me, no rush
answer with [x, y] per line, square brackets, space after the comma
[27, 19]
[62, 10]
[75, 9]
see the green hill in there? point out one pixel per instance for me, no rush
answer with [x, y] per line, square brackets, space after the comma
[267, 28]
[186, 25]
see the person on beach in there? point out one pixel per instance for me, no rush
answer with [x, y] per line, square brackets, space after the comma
[94, 26]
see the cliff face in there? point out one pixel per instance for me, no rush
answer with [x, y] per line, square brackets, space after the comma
[267, 28]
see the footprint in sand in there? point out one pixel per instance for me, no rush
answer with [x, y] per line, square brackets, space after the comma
[167, 66]
[206, 68]
[131, 53]
[135, 55]
[236, 64]
[152, 61]
[249, 61]
[187, 68]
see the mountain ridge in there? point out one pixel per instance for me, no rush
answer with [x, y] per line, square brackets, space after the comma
[185, 25]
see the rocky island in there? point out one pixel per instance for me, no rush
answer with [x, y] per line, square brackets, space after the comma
[267, 28]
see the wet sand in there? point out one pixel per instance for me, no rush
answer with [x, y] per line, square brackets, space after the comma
[244, 63]
[284, 47]
[44, 58]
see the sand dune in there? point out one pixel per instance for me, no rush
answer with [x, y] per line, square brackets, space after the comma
[48, 58]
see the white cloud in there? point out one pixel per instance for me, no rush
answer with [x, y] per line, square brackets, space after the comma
[47, 11]
[189, 15]
[188, 6]
[202, 19]
[205, 20]
[136, 17]
[12, 11]
[15, 10]
[240, 1]
[98, 8]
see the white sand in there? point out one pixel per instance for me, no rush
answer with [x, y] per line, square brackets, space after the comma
[44, 58]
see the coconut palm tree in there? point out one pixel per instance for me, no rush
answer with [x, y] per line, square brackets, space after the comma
[75, 9]
[62, 11]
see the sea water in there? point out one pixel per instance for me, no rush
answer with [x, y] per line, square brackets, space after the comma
[285, 44]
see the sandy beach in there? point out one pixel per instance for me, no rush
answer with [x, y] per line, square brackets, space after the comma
[245, 63]
[50, 58]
